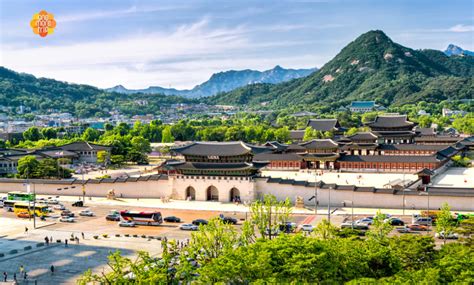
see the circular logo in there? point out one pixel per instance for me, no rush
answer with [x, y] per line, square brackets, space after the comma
[43, 23]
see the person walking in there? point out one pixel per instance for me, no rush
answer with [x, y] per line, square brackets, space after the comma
[83, 236]
[26, 230]
[5, 276]
[51, 239]
[14, 277]
[65, 242]
[52, 269]
[22, 269]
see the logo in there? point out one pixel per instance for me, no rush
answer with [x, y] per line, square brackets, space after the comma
[43, 23]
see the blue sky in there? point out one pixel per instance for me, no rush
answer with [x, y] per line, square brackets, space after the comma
[181, 43]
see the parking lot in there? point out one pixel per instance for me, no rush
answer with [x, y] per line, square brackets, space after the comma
[91, 253]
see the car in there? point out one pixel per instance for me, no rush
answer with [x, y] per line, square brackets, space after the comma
[229, 220]
[126, 224]
[52, 201]
[418, 227]
[395, 221]
[172, 219]
[198, 222]
[66, 219]
[188, 227]
[87, 213]
[24, 215]
[67, 213]
[113, 217]
[365, 221]
[355, 225]
[59, 207]
[306, 227]
[273, 232]
[441, 235]
[287, 227]
[78, 204]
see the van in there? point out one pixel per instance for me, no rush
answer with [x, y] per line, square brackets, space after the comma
[425, 221]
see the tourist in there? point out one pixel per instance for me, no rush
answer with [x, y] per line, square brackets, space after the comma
[83, 237]
[5, 276]
[22, 269]
[52, 269]
[65, 242]
[26, 230]
[14, 276]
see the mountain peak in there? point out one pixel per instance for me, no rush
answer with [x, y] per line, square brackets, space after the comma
[456, 50]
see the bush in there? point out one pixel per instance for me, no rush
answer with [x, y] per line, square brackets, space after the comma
[96, 237]
[105, 235]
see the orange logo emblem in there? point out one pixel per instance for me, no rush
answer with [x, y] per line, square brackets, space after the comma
[43, 23]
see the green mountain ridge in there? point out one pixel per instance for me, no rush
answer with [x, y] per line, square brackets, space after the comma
[372, 67]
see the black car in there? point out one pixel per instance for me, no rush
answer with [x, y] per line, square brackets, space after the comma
[396, 222]
[229, 220]
[67, 213]
[112, 217]
[198, 222]
[78, 204]
[172, 219]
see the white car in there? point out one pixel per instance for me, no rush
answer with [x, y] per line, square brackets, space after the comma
[59, 207]
[87, 213]
[441, 235]
[130, 224]
[66, 219]
[365, 221]
[52, 201]
[306, 227]
[188, 227]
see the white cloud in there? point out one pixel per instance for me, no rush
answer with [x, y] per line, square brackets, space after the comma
[461, 28]
[182, 58]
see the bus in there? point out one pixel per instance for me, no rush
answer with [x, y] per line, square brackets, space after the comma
[38, 210]
[8, 205]
[142, 218]
[21, 196]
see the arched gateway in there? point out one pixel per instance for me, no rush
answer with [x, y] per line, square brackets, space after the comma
[234, 195]
[190, 193]
[212, 193]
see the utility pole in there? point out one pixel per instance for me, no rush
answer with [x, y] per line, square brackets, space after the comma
[329, 204]
[83, 187]
[403, 191]
[34, 206]
[315, 193]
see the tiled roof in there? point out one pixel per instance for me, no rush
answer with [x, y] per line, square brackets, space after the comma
[84, 146]
[277, 156]
[391, 158]
[362, 104]
[390, 121]
[324, 125]
[297, 134]
[214, 148]
[320, 144]
[362, 136]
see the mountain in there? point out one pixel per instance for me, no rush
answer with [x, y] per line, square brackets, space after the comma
[372, 67]
[455, 50]
[48, 95]
[224, 82]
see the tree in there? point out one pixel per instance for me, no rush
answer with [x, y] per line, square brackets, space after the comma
[444, 222]
[27, 167]
[140, 144]
[137, 157]
[282, 134]
[351, 131]
[117, 159]
[91, 135]
[325, 230]
[380, 228]
[49, 133]
[268, 214]
[166, 136]
[103, 156]
[32, 134]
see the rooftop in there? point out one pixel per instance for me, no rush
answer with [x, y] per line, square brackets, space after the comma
[392, 121]
[362, 104]
[324, 125]
[214, 148]
[320, 144]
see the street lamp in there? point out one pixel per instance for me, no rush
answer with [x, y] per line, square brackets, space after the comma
[329, 204]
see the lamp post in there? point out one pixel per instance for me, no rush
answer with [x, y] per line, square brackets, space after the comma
[315, 193]
[329, 204]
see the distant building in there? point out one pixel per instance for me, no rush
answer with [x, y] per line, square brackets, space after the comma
[86, 152]
[393, 129]
[326, 125]
[304, 114]
[364, 106]
[451, 113]
[423, 113]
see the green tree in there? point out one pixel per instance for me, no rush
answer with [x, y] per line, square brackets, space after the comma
[49, 133]
[32, 134]
[117, 159]
[268, 214]
[380, 228]
[444, 222]
[27, 167]
[166, 136]
[137, 157]
[103, 156]
[325, 230]
[140, 144]
[91, 135]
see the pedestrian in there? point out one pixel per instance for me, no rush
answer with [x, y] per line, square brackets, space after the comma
[52, 269]
[65, 242]
[25, 276]
[26, 230]
[77, 240]
[51, 239]
[83, 237]
[5, 276]
[14, 276]
[46, 240]
[22, 269]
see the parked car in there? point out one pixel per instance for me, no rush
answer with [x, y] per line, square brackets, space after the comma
[198, 222]
[229, 220]
[66, 219]
[365, 221]
[418, 227]
[188, 227]
[112, 217]
[273, 232]
[59, 207]
[78, 204]
[172, 219]
[52, 201]
[126, 224]
[395, 221]
[405, 230]
[426, 221]
[87, 213]
[306, 227]
[441, 235]
[24, 215]
[288, 227]
[67, 213]
[355, 225]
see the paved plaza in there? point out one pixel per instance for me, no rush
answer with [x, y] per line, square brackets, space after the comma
[455, 177]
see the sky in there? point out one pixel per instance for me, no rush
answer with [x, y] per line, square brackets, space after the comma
[179, 44]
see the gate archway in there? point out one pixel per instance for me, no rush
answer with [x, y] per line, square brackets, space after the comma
[212, 193]
[190, 193]
[234, 195]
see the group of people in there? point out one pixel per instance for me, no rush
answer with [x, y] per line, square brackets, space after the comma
[23, 275]
[49, 240]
